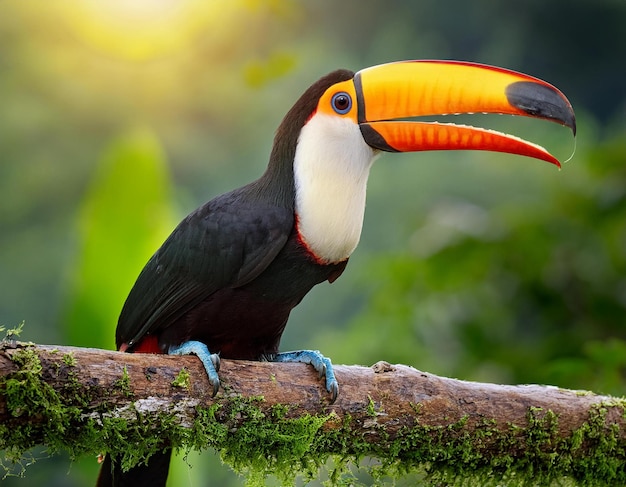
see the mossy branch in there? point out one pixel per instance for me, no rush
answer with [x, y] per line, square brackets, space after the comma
[276, 418]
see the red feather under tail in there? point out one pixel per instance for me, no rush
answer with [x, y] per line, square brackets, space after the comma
[149, 344]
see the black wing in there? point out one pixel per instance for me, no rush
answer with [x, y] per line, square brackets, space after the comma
[227, 242]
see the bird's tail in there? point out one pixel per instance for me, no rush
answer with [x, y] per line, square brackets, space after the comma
[151, 474]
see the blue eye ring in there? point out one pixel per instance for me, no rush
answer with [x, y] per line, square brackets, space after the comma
[341, 102]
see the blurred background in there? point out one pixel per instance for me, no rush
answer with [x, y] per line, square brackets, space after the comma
[118, 118]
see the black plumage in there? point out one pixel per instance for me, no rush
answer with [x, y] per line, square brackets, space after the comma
[232, 270]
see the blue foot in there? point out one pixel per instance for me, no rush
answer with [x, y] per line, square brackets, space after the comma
[211, 361]
[320, 363]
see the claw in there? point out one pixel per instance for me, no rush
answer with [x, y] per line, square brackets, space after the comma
[215, 359]
[211, 361]
[322, 372]
[334, 391]
[321, 364]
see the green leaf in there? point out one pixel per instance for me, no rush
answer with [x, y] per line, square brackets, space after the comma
[125, 216]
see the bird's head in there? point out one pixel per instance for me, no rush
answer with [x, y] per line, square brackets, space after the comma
[379, 100]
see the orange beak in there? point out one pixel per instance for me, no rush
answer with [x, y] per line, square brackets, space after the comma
[388, 92]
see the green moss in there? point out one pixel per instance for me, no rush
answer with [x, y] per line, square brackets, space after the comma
[123, 383]
[12, 333]
[606, 458]
[28, 396]
[25, 393]
[182, 379]
[69, 359]
[584, 393]
[371, 407]
[270, 443]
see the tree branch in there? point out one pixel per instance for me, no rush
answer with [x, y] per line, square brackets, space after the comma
[88, 400]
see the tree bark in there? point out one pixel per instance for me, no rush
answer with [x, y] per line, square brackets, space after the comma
[393, 412]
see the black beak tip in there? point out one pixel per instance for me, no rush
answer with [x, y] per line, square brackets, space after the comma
[541, 101]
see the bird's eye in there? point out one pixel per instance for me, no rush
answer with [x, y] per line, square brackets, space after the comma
[341, 103]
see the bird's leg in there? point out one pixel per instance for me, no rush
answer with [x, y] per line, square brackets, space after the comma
[211, 361]
[321, 364]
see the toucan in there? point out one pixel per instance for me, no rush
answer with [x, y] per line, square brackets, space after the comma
[224, 282]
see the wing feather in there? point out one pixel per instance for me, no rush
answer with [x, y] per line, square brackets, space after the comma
[225, 243]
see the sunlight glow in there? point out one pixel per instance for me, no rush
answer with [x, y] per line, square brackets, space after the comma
[140, 30]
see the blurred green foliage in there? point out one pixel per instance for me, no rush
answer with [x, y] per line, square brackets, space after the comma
[490, 267]
[130, 196]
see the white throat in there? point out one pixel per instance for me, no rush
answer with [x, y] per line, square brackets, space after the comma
[331, 168]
